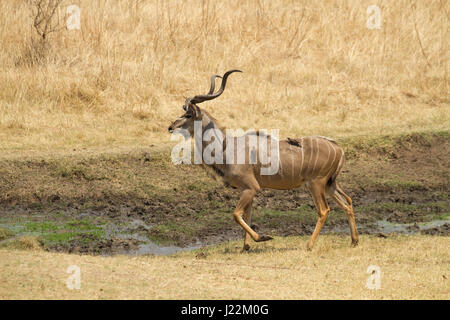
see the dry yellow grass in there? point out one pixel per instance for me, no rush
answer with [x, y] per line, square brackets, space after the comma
[412, 267]
[309, 68]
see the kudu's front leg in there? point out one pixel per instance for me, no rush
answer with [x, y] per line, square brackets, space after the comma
[317, 189]
[248, 220]
[244, 204]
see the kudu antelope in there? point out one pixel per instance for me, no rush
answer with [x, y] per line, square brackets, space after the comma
[315, 161]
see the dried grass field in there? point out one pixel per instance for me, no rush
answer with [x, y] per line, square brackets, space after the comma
[414, 267]
[309, 68]
[85, 151]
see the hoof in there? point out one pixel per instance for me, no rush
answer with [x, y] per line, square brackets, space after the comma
[246, 248]
[264, 238]
[355, 243]
[309, 247]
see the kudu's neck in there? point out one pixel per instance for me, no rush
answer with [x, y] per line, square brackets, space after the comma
[217, 131]
[209, 122]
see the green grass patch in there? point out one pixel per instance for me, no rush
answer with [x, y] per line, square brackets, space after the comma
[82, 237]
[443, 216]
[52, 232]
[40, 227]
[5, 234]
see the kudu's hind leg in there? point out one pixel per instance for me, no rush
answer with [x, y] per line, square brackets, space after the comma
[345, 202]
[317, 189]
[245, 202]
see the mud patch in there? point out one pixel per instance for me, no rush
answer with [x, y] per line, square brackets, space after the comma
[443, 230]
[85, 244]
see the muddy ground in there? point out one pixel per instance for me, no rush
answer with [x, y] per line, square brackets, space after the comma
[139, 202]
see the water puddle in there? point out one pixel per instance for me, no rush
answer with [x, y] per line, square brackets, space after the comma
[132, 234]
[145, 246]
[131, 238]
[409, 228]
[152, 248]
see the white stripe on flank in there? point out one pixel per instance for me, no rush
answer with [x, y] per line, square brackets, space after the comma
[280, 170]
[292, 163]
[332, 162]
[312, 151]
[329, 154]
[317, 158]
[301, 168]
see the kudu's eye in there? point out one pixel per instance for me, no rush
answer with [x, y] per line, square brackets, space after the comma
[185, 108]
[188, 116]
